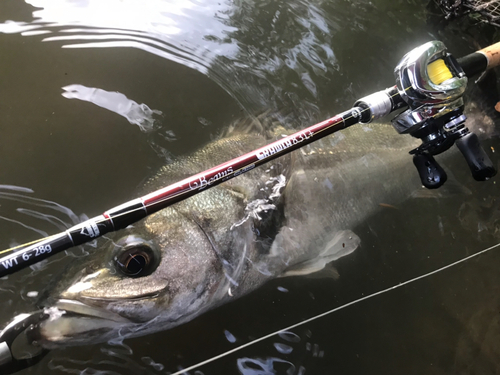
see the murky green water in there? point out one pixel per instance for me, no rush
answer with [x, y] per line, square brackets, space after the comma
[204, 65]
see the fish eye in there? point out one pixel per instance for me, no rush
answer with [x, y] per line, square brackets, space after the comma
[135, 257]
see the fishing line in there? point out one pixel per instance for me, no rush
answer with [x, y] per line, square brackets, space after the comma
[27, 244]
[184, 371]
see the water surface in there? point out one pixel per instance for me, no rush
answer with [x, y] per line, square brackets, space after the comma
[96, 95]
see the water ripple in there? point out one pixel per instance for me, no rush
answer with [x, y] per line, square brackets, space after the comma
[266, 55]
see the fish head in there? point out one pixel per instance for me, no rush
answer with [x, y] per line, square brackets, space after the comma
[163, 271]
[178, 262]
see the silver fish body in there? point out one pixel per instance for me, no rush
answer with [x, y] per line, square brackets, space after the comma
[289, 217]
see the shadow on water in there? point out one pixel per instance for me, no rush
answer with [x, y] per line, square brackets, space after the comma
[152, 81]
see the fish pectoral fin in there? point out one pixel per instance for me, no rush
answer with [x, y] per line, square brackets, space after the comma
[317, 269]
[344, 243]
[305, 268]
[329, 272]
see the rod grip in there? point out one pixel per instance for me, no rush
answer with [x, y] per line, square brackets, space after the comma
[479, 163]
[479, 61]
[492, 53]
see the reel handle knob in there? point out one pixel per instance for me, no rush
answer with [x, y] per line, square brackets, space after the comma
[430, 172]
[479, 163]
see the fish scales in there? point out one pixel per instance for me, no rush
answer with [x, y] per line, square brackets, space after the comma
[290, 216]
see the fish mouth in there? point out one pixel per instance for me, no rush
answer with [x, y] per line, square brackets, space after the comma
[71, 322]
[131, 298]
[75, 308]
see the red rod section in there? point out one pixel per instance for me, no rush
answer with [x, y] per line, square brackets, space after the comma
[161, 198]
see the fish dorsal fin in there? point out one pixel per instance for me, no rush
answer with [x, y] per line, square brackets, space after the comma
[344, 243]
[260, 124]
[269, 124]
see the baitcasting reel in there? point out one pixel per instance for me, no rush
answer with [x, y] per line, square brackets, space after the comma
[431, 83]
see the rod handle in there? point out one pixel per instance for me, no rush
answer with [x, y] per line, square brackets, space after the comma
[492, 53]
[480, 61]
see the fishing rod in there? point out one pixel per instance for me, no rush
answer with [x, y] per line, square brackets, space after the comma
[429, 82]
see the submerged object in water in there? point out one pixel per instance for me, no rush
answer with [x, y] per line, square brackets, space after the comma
[289, 219]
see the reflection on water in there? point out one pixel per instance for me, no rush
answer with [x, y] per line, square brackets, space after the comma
[262, 53]
[20, 194]
[169, 29]
[302, 60]
[270, 365]
[137, 114]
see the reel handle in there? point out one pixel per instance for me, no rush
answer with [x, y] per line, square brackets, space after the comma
[431, 173]
[479, 163]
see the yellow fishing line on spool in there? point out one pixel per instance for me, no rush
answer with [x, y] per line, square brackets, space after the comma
[438, 72]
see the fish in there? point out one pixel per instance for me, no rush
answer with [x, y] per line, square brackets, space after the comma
[293, 216]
